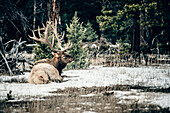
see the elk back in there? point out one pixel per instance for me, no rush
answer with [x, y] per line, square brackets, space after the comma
[43, 73]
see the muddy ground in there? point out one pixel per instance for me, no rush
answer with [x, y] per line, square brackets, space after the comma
[87, 100]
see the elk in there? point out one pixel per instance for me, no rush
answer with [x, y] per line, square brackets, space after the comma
[47, 70]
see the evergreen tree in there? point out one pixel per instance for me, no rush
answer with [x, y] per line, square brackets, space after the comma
[90, 34]
[123, 47]
[42, 50]
[76, 33]
[108, 22]
[87, 11]
[134, 21]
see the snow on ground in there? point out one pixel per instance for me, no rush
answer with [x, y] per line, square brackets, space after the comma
[97, 76]
[162, 99]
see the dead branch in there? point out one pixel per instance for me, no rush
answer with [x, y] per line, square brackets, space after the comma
[13, 59]
[7, 64]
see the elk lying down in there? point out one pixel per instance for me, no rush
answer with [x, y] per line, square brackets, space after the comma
[47, 70]
[59, 60]
[43, 73]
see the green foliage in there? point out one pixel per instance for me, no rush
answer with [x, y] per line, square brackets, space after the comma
[90, 34]
[76, 33]
[125, 17]
[108, 24]
[87, 11]
[42, 50]
[146, 12]
[115, 20]
[127, 22]
[123, 47]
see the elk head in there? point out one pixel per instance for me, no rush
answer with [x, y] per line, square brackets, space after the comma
[60, 57]
[60, 60]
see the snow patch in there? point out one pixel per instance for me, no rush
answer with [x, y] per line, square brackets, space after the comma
[96, 76]
[88, 95]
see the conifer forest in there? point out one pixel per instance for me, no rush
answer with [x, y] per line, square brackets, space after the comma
[84, 56]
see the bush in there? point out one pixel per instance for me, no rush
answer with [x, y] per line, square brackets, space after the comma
[76, 33]
[42, 50]
[123, 47]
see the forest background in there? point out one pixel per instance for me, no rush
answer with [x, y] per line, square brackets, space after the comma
[142, 23]
[139, 26]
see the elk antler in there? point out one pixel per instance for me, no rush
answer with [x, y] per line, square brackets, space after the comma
[46, 40]
[68, 46]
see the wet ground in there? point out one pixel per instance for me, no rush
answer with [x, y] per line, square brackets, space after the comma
[88, 100]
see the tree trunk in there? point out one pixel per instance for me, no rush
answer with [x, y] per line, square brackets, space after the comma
[34, 20]
[142, 36]
[2, 50]
[56, 13]
[56, 9]
[49, 9]
[136, 38]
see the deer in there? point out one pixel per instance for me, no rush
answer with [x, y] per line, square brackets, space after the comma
[47, 70]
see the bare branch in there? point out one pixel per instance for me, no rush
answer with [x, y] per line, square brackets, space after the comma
[10, 72]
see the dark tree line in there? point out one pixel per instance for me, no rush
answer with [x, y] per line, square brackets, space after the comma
[19, 17]
[143, 24]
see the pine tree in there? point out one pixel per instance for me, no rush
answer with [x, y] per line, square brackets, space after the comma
[90, 34]
[123, 47]
[42, 50]
[76, 33]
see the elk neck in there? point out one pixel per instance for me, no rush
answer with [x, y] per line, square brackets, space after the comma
[54, 61]
[61, 65]
[58, 63]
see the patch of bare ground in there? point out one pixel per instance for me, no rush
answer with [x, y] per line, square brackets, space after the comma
[86, 99]
[95, 89]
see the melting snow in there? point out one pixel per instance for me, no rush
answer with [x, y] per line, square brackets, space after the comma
[97, 76]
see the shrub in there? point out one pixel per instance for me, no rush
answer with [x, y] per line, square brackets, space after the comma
[76, 33]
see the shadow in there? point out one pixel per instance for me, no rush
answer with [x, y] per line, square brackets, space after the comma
[58, 81]
[65, 76]
[65, 81]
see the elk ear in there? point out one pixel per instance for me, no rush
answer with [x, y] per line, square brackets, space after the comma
[55, 54]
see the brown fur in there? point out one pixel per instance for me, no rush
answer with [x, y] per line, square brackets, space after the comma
[43, 73]
[48, 69]
[59, 61]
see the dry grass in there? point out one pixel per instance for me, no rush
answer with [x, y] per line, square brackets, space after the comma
[78, 100]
